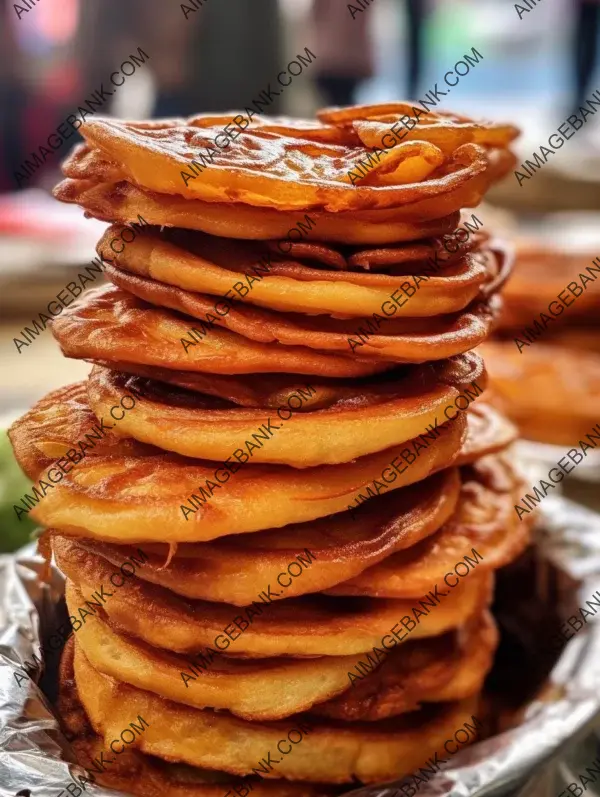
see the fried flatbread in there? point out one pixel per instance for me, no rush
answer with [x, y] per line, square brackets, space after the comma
[272, 170]
[316, 625]
[168, 498]
[324, 750]
[205, 427]
[248, 273]
[428, 671]
[124, 203]
[109, 324]
[235, 569]
[454, 665]
[147, 776]
[483, 527]
[551, 393]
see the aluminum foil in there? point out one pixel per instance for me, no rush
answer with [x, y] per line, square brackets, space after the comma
[547, 751]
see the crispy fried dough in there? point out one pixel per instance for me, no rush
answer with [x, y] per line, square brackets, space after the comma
[444, 135]
[124, 203]
[206, 264]
[127, 499]
[291, 126]
[488, 432]
[484, 526]
[439, 669]
[205, 427]
[57, 422]
[316, 625]
[145, 776]
[551, 393]
[252, 689]
[109, 324]
[271, 170]
[236, 568]
[326, 751]
[260, 689]
[405, 340]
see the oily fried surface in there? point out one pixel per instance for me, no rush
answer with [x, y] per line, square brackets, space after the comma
[327, 750]
[56, 423]
[438, 669]
[205, 427]
[484, 522]
[551, 393]
[316, 625]
[210, 265]
[147, 776]
[109, 324]
[236, 568]
[488, 432]
[453, 664]
[122, 202]
[402, 340]
[126, 499]
[274, 170]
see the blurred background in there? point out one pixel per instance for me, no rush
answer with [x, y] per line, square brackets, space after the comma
[538, 65]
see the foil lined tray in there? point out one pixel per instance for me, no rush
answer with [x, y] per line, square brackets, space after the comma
[547, 749]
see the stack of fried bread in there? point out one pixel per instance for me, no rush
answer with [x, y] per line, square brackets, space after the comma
[312, 494]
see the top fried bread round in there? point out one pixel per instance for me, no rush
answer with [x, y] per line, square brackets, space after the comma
[325, 751]
[236, 568]
[273, 170]
[376, 417]
[248, 272]
[109, 324]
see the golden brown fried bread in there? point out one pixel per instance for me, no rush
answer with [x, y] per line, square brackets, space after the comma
[439, 669]
[248, 272]
[59, 421]
[272, 170]
[109, 324]
[551, 393]
[316, 625]
[235, 569]
[325, 750]
[169, 498]
[146, 776]
[410, 340]
[454, 665]
[483, 527]
[540, 275]
[205, 427]
[123, 203]
[488, 432]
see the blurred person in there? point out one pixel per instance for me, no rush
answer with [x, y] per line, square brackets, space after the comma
[344, 50]
[416, 16]
[204, 55]
[584, 48]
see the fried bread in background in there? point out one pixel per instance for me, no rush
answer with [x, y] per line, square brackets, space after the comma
[551, 393]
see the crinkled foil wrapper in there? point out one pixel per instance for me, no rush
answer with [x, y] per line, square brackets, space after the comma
[553, 742]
